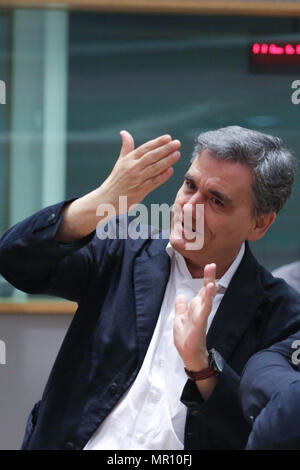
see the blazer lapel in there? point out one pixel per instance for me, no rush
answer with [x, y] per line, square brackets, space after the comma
[238, 306]
[151, 275]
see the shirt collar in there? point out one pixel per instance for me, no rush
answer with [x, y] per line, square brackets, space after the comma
[227, 276]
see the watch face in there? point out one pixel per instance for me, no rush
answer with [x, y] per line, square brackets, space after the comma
[217, 360]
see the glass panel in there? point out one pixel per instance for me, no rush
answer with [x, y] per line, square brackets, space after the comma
[5, 29]
[37, 113]
[74, 80]
[155, 74]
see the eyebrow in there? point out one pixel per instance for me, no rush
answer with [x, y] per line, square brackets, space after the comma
[214, 192]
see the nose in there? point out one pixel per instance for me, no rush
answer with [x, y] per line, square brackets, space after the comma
[190, 205]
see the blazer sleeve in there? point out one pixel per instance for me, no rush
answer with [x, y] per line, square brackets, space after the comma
[270, 387]
[32, 260]
[221, 415]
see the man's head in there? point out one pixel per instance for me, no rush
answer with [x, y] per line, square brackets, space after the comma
[243, 178]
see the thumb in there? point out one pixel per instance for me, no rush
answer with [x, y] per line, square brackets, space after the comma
[127, 143]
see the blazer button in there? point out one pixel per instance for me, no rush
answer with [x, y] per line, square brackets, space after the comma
[197, 412]
[113, 388]
[51, 217]
[69, 445]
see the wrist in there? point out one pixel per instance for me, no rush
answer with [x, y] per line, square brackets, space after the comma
[197, 363]
[214, 367]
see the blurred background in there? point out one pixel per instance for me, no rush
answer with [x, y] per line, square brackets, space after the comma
[74, 79]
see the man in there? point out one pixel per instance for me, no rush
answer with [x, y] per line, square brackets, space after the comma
[119, 380]
[290, 273]
[270, 391]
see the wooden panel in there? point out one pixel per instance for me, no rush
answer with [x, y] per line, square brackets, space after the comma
[38, 307]
[261, 8]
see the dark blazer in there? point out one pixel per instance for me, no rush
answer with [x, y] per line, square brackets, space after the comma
[119, 286]
[290, 273]
[270, 393]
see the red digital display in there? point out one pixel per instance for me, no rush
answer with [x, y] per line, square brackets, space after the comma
[273, 49]
[275, 57]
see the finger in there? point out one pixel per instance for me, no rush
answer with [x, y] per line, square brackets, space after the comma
[207, 296]
[210, 292]
[151, 157]
[151, 145]
[216, 288]
[127, 143]
[158, 167]
[158, 180]
[181, 304]
[200, 293]
[210, 276]
[209, 273]
[200, 309]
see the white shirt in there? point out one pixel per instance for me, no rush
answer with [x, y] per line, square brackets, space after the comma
[150, 414]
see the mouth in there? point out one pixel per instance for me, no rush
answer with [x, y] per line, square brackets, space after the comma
[188, 228]
[188, 233]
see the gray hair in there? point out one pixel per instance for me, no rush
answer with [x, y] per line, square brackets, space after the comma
[273, 165]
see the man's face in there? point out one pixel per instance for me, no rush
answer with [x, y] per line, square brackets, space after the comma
[224, 188]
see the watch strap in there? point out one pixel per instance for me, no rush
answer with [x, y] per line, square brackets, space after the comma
[213, 369]
[202, 374]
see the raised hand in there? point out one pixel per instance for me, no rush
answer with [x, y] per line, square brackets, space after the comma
[190, 322]
[139, 171]
[136, 173]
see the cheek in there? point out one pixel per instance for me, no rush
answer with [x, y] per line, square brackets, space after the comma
[216, 224]
[179, 197]
[210, 219]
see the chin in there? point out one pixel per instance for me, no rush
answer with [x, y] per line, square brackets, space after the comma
[184, 246]
[177, 244]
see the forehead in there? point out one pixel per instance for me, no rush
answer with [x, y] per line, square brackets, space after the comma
[233, 178]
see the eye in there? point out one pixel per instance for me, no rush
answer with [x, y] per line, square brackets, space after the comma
[217, 202]
[189, 184]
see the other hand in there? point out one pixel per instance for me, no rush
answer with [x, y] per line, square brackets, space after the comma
[190, 322]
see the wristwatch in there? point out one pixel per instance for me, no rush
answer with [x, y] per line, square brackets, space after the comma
[216, 364]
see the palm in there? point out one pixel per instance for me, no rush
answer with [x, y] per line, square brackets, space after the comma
[190, 321]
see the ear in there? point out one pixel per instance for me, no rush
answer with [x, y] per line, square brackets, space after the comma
[261, 225]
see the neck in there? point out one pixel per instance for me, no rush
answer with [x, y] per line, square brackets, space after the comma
[197, 270]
